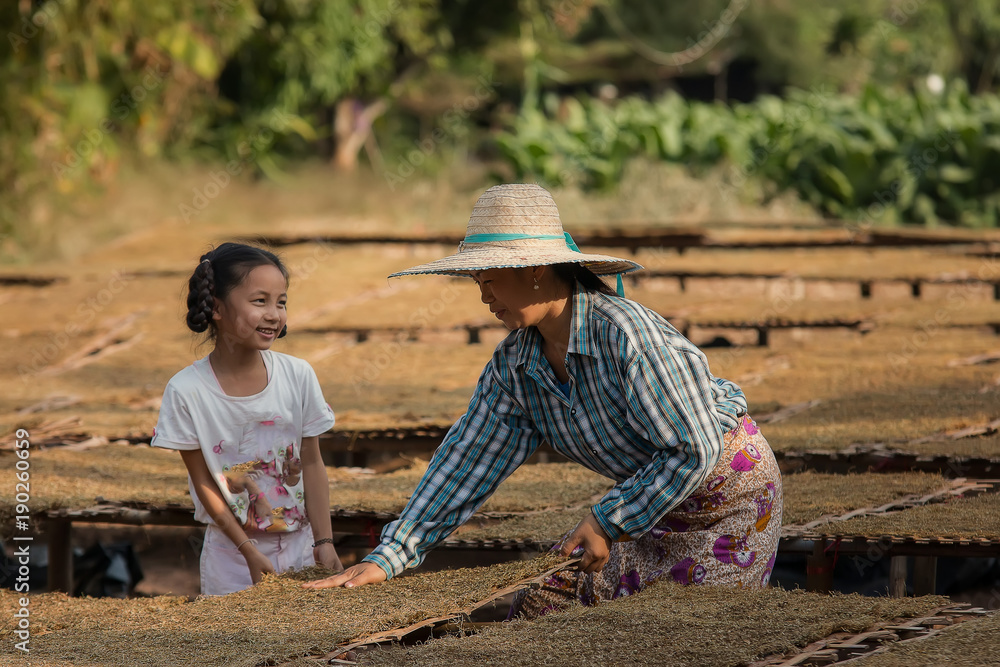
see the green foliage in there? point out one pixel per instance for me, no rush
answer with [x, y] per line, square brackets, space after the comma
[975, 25]
[85, 82]
[878, 157]
[82, 78]
[309, 54]
[844, 44]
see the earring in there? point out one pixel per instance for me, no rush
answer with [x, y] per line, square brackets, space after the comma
[536, 283]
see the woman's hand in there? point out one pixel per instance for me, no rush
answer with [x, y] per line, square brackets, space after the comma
[256, 561]
[326, 555]
[595, 542]
[356, 575]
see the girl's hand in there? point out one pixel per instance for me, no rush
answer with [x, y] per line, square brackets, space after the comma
[256, 561]
[326, 555]
[595, 542]
[356, 575]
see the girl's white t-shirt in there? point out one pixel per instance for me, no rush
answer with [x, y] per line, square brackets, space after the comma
[251, 444]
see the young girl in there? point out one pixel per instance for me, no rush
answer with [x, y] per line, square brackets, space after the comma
[246, 421]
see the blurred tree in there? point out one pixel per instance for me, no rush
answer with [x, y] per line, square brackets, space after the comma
[840, 45]
[778, 42]
[81, 81]
[81, 77]
[975, 27]
[334, 63]
[906, 46]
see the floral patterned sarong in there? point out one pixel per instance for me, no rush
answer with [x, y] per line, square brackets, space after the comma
[725, 533]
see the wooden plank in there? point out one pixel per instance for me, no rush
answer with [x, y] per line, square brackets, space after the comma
[398, 634]
[30, 281]
[924, 575]
[787, 411]
[897, 577]
[60, 541]
[819, 569]
[843, 646]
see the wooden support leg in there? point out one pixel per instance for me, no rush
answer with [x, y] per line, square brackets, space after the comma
[60, 534]
[762, 336]
[819, 569]
[897, 577]
[924, 575]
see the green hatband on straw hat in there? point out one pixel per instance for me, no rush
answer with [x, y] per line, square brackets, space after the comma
[514, 226]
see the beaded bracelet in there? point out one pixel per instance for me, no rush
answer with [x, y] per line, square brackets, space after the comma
[325, 540]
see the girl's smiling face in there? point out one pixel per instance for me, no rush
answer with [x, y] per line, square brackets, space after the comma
[253, 313]
[511, 296]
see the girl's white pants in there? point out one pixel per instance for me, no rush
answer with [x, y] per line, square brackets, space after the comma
[224, 569]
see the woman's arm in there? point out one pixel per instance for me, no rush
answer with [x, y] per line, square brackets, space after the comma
[671, 404]
[317, 488]
[217, 508]
[480, 451]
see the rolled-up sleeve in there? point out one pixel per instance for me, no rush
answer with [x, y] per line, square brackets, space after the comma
[479, 452]
[670, 405]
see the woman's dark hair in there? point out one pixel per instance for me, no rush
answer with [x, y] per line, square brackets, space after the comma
[219, 271]
[573, 273]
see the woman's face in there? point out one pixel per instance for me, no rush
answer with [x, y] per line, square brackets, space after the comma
[511, 296]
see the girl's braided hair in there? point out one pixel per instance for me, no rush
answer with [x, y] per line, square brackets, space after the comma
[219, 271]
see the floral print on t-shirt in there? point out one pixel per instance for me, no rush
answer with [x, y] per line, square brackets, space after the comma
[262, 476]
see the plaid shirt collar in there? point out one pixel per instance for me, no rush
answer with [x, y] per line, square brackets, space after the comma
[529, 353]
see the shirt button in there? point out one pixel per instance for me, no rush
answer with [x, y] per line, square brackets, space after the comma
[573, 411]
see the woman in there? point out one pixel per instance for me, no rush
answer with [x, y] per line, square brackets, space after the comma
[608, 384]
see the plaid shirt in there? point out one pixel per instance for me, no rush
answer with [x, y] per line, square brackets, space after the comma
[642, 409]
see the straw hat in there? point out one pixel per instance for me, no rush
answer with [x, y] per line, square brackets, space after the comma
[513, 226]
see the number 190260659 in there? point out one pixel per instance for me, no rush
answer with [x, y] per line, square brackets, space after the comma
[22, 477]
